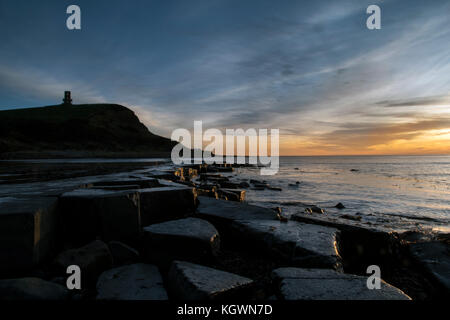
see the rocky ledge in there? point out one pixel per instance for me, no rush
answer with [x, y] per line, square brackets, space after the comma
[188, 234]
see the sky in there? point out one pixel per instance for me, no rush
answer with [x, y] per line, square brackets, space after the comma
[311, 69]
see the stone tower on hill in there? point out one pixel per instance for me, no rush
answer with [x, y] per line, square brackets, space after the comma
[67, 99]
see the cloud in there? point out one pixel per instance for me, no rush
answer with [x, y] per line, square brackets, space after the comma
[364, 136]
[311, 69]
[422, 101]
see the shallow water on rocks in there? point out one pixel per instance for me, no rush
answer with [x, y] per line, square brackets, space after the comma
[395, 191]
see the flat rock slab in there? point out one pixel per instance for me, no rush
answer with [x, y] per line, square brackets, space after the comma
[361, 244]
[92, 259]
[189, 238]
[130, 182]
[227, 211]
[31, 289]
[118, 187]
[28, 232]
[434, 257]
[164, 175]
[232, 194]
[188, 281]
[338, 222]
[301, 244]
[132, 282]
[323, 284]
[168, 202]
[89, 213]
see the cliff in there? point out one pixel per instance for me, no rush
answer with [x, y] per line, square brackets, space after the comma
[89, 130]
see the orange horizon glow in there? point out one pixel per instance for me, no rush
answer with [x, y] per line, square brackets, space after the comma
[411, 130]
[429, 142]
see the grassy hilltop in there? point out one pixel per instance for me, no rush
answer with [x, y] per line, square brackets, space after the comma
[87, 130]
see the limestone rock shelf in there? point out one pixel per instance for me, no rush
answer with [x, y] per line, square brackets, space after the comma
[189, 281]
[131, 282]
[322, 284]
[150, 236]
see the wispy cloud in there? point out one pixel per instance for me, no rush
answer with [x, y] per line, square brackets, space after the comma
[421, 101]
[311, 69]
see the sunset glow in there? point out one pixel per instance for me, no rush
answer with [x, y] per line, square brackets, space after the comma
[312, 70]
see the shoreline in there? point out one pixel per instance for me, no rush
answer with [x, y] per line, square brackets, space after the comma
[201, 192]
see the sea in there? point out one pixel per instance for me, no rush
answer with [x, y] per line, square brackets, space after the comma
[394, 191]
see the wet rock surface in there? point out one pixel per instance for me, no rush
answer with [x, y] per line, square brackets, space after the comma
[336, 221]
[339, 206]
[257, 227]
[315, 209]
[298, 243]
[132, 282]
[188, 281]
[127, 182]
[228, 211]
[323, 284]
[360, 245]
[189, 238]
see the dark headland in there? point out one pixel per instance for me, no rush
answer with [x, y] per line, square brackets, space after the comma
[77, 131]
